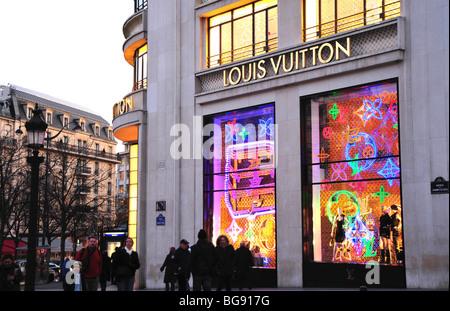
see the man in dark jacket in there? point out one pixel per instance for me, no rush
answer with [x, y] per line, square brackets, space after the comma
[181, 260]
[244, 261]
[202, 262]
[10, 274]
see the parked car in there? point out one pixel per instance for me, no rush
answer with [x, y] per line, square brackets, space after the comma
[54, 270]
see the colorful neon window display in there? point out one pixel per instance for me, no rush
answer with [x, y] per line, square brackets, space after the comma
[353, 175]
[240, 181]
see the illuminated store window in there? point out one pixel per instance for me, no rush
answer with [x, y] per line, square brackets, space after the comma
[239, 179]
[140, 68]
[322, 18]
[243, 32]
[352, 197]
[132, 216]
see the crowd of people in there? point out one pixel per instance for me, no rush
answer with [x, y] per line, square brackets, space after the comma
[98, 268]
[206, 262]
[203, 261]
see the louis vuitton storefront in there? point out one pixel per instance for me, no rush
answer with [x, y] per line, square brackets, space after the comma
[302, 129]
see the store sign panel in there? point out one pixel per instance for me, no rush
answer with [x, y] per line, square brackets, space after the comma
[123, 106]
[296, 60]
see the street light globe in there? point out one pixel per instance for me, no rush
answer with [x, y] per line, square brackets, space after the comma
[36, 127]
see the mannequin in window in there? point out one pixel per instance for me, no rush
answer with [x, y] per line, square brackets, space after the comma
[338, 235]
[385, 234]
[396, 225]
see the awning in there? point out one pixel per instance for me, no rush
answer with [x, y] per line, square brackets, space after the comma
[9, 246]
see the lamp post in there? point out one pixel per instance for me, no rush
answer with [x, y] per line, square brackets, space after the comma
[36, 132]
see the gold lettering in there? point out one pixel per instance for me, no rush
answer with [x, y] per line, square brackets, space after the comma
[125, 105]
[249, 73]
[303, 57]
[313, 49]
[291, 57]
[347, 51]
[324, 61]
[230, 76]
[277, 67]
[225, 81]
[257, 70]
[262, 69]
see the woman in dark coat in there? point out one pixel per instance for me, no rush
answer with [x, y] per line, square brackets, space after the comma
[169, 277]
[106, 270]
[225, 262]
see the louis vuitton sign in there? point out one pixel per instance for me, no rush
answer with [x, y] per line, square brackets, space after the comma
[296, 60]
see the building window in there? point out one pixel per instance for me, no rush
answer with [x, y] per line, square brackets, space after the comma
[242, 33]
[239, 181]
[66, 122]
[322, 18]
[49, 118]
[140, 68]
[30, 112]
[140, 5]
[351, 192]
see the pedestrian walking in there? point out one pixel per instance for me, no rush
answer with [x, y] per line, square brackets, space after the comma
[169, 265]
[202, 262]
[125, 266]
[105, 276]
[10, 274]
[113, 261]
[225, 262]
[91, 265]
[181, 257]
[244, 262]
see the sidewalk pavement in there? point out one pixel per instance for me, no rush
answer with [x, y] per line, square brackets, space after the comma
[57, 286]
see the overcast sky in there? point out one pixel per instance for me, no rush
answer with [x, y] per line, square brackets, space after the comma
[69, 49]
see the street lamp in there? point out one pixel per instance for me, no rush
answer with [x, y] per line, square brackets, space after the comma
[35, 127]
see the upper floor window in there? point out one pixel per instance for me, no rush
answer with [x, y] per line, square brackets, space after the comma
[49, 118]
[140, 5]
[243, 32]
[140, 68]
[30, 112]
[322, 18]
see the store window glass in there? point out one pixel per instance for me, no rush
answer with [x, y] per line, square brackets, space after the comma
[132, 212]
[322, 18]
[352, 195]
[239, 180]
[243, 32]
[140, 68]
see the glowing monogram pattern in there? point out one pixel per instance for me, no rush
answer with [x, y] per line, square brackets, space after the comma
[355, 170]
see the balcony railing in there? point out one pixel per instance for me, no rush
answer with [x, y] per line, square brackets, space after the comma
[83, 171]
[243, 53]
[357, 20]
[82, 151]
